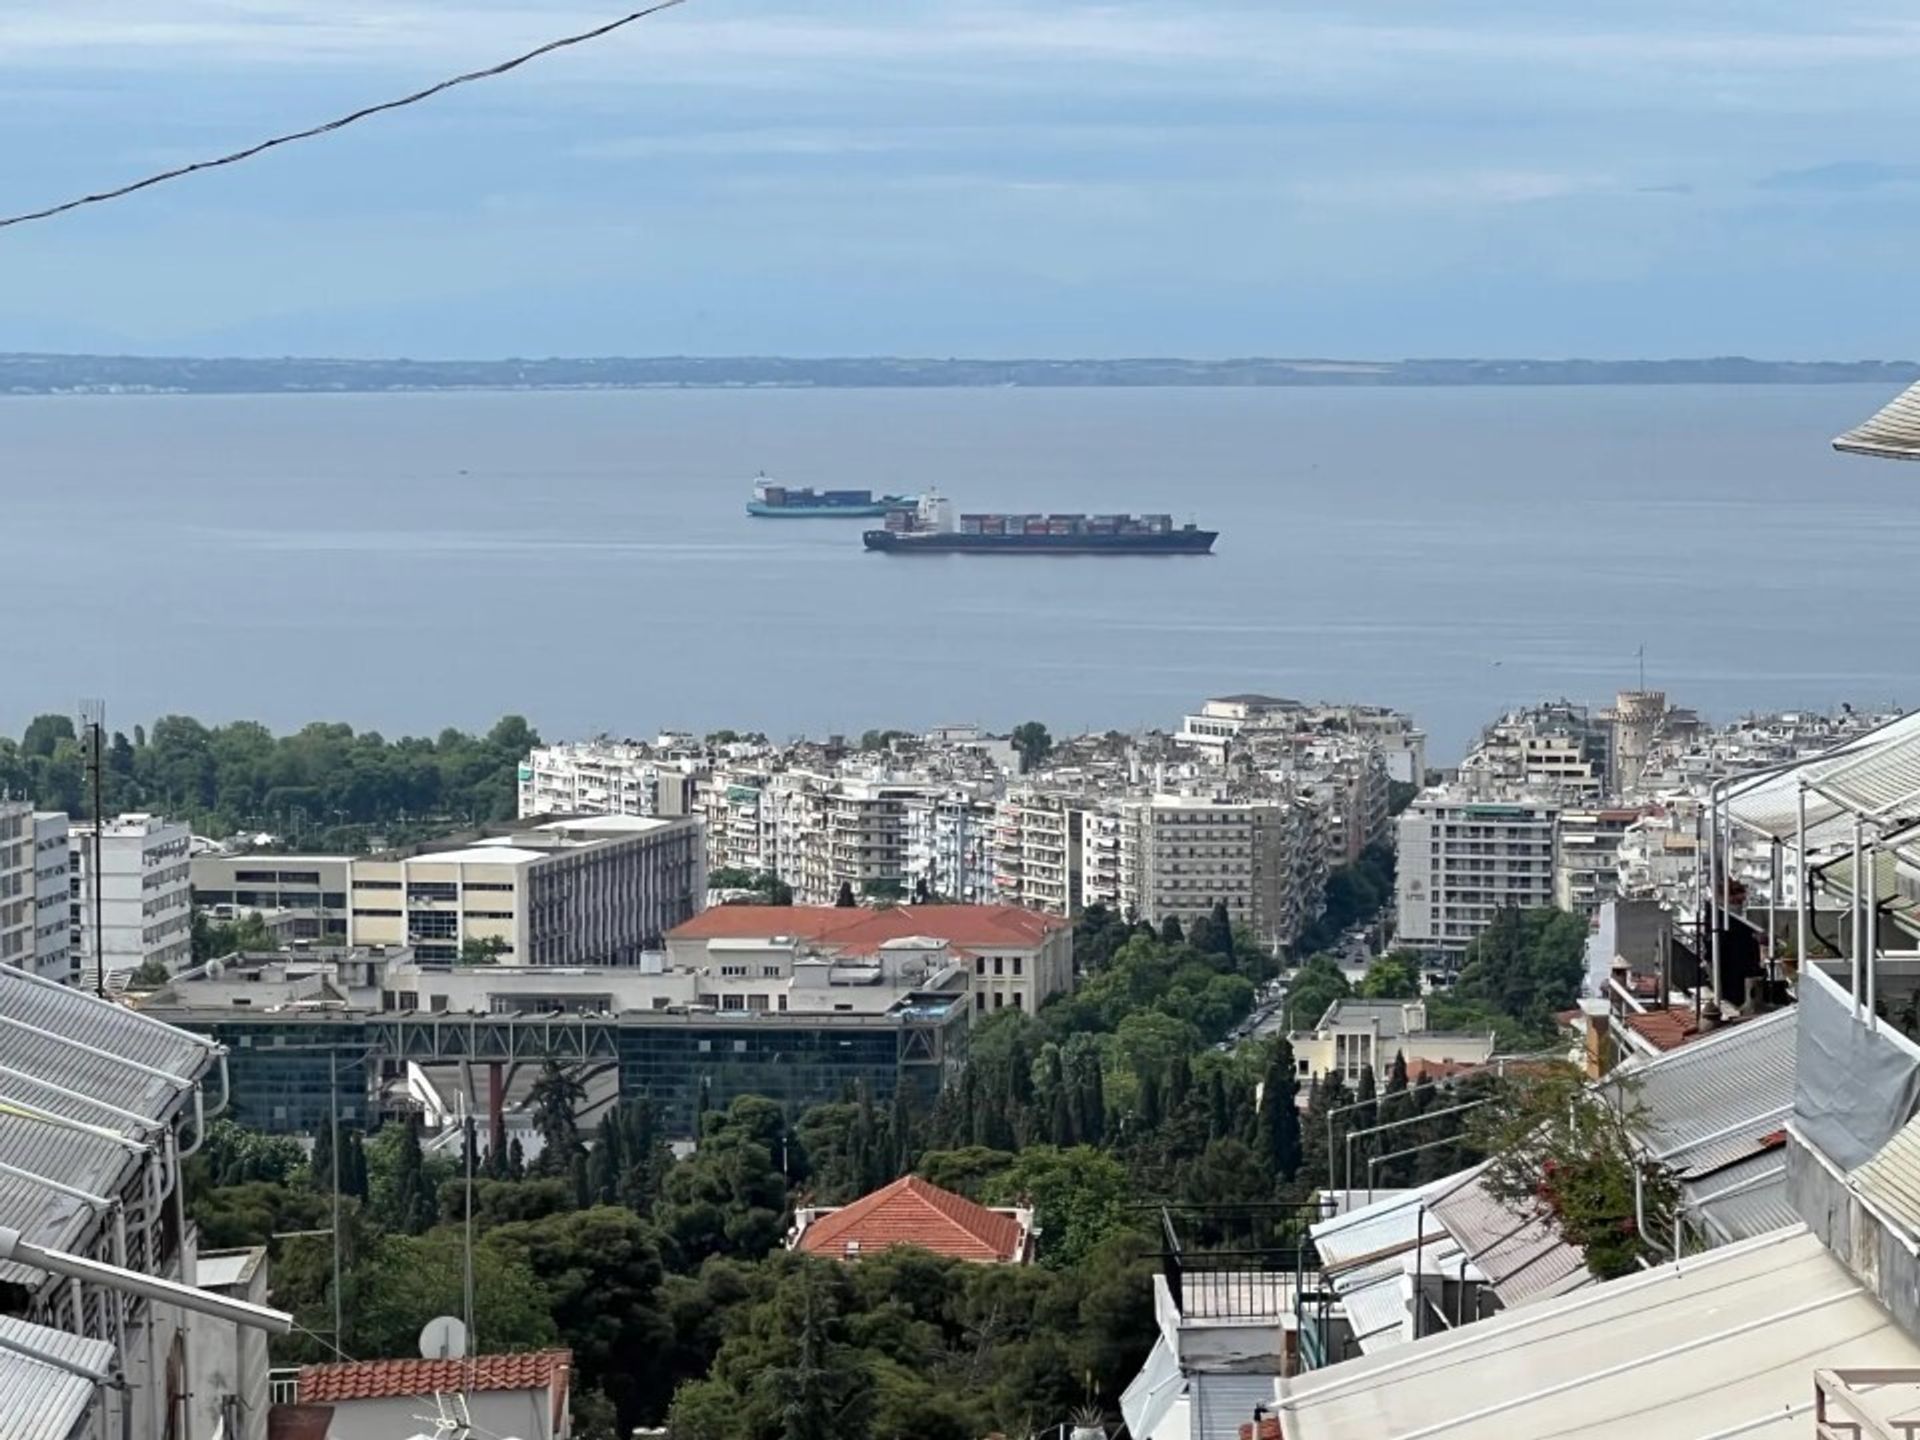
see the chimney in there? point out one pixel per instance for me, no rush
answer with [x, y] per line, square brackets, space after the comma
[1599, 1046]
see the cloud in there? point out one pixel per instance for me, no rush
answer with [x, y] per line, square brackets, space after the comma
[1840, 177]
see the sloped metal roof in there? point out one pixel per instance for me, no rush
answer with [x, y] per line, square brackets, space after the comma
[1520, 1253]
[1879, 768]
[1891, 433]
[84, 1084]
[1891, 1179]
[1386, 1226]
[1711, 1104]
[1720, 1344]
[40, 1400]
[1741, 1201]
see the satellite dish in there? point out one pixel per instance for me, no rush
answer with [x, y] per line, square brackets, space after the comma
[443, 1338]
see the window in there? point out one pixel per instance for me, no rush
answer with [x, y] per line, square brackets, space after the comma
[980, 1000]
[769, 972]
[1016, 964]
[733, 1002]
[737, 972]
[999, 965]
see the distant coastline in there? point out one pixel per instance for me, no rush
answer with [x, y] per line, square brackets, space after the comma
[43, 374]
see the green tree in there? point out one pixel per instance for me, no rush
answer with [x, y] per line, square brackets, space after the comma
[151, 974]
[1079, 1197]
[1314, 987]
[1033, 744]
[482, 950]
[1526, 964]
[1171, 932]
[1280, 1114]
[844, 900]
[557, 1097]
[409, 1279]
[1394, 976]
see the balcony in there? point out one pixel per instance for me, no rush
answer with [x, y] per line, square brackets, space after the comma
[1237, 1263]
[1866, 1404]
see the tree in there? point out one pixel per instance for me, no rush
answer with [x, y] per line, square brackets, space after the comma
[1280, 1115]
[557, 1096]
[151, 974]
[730, 1196]
[482, 950]
[1526, 964]
[1314, 987]
[1170, 931]
[408, 1280]
[1033, 744]
[844, 900]
[1394, 976]
[1079, 1198]
[403, 1185]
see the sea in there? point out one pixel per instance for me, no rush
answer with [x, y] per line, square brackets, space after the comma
[410, 561]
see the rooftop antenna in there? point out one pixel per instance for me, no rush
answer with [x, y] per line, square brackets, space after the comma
[93, 716]
[1642, 654]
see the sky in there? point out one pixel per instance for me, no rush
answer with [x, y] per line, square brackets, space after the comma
[940, 177]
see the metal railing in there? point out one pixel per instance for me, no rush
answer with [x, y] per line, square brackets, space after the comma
[1840, 1411]
[1242, 1262]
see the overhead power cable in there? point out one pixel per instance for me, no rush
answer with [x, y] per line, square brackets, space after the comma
[101, 197]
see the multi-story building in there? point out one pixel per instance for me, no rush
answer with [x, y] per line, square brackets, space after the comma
[950, 847]
[1356, 1036]
[1038, 851]
[1556, 749]
[54, 957]
[609, 777]
[310, 891]
[1110, 857]
[34, 917]
[1587, 869]
[1255, 721]
[1350, 791]
[594, 891]
[1463, 859]
[1260, 857]
[144, 892]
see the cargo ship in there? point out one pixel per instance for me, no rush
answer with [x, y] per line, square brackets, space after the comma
[809, 504]
[928, 528]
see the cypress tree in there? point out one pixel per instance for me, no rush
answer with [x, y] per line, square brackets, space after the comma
[1219, 1120]
[1280, 1115]
[1170, 931]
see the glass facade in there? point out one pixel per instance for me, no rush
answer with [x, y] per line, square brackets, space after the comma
[281, 1072]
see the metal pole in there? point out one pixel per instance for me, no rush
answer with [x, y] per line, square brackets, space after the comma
[99, 828]
[1802, 918]
[1859, 889]
[1773, 910]
[333, 1135]
[1716, 878]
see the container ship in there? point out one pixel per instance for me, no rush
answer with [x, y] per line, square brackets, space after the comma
[809, 504]
[928, 528]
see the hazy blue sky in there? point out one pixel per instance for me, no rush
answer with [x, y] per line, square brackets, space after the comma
[1393, 177]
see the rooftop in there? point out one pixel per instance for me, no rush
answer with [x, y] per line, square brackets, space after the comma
[912, 1211]
[1720, 1344]
[1891, 433]
[393, 1379]
[39, 1400]
[974, 926]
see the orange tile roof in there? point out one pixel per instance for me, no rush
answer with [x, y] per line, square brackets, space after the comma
[390, 1379]
[859, 929]
[1668, 1029]
[911, 1211]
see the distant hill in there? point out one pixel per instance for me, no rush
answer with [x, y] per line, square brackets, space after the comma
[29, 374]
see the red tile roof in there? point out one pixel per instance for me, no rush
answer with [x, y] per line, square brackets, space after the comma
[389, 1379]
[861, 930]
[1667, 1029]
[912, 1212]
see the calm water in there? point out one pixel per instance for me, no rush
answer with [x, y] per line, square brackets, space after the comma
[411, 561]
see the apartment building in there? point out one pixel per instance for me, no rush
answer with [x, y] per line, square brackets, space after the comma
[609, 777]
[1261, 857]
[144, 891]
[1038, 852]
[1350, 792]
[1257, 721]
[1558, 749]
[34, 918]
[950, 846]
[1463, 859]
[597, 890]
[1587, 869]
[1110, 857]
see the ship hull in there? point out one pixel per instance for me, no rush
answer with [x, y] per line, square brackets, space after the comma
[1176, 542]
[816, 512]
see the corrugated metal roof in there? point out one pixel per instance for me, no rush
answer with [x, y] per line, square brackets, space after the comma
[1520, 1253]
[1383, 1226]
[1770, 803]
[1891, 1179]
[1709, 1104]
[1719, 1344]
[41, 1401]
[1220, 1404]
[1743, 1200]
[1891, 433]
[80, 1066]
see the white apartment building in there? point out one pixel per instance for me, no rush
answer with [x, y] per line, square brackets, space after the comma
[54, 957]
[1227, 719]
[18, 894]
[1038, 852]
[1555, 749]
[1350, 791]
[1264, 858]
[145, 894]
[950, 846]
[1110, 857]
[1464, 859]
[1587, 870]
[1355, 1036]
[607, 777]
[33, 892]
[594, 891]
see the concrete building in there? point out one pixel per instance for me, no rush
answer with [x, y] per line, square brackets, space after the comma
[1110, 857]
[1464, 859]
[1350, 791]
[311, 893]
[1037, 852]
[949, 839]
[594, 891]
[609, 777]
[1355, 1036]
[1587, 869]
[1252, 721]
[910, 1211]
[145, 893]
[752, 954]
[1555, 749]
[34, 918]
[1261, 857]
